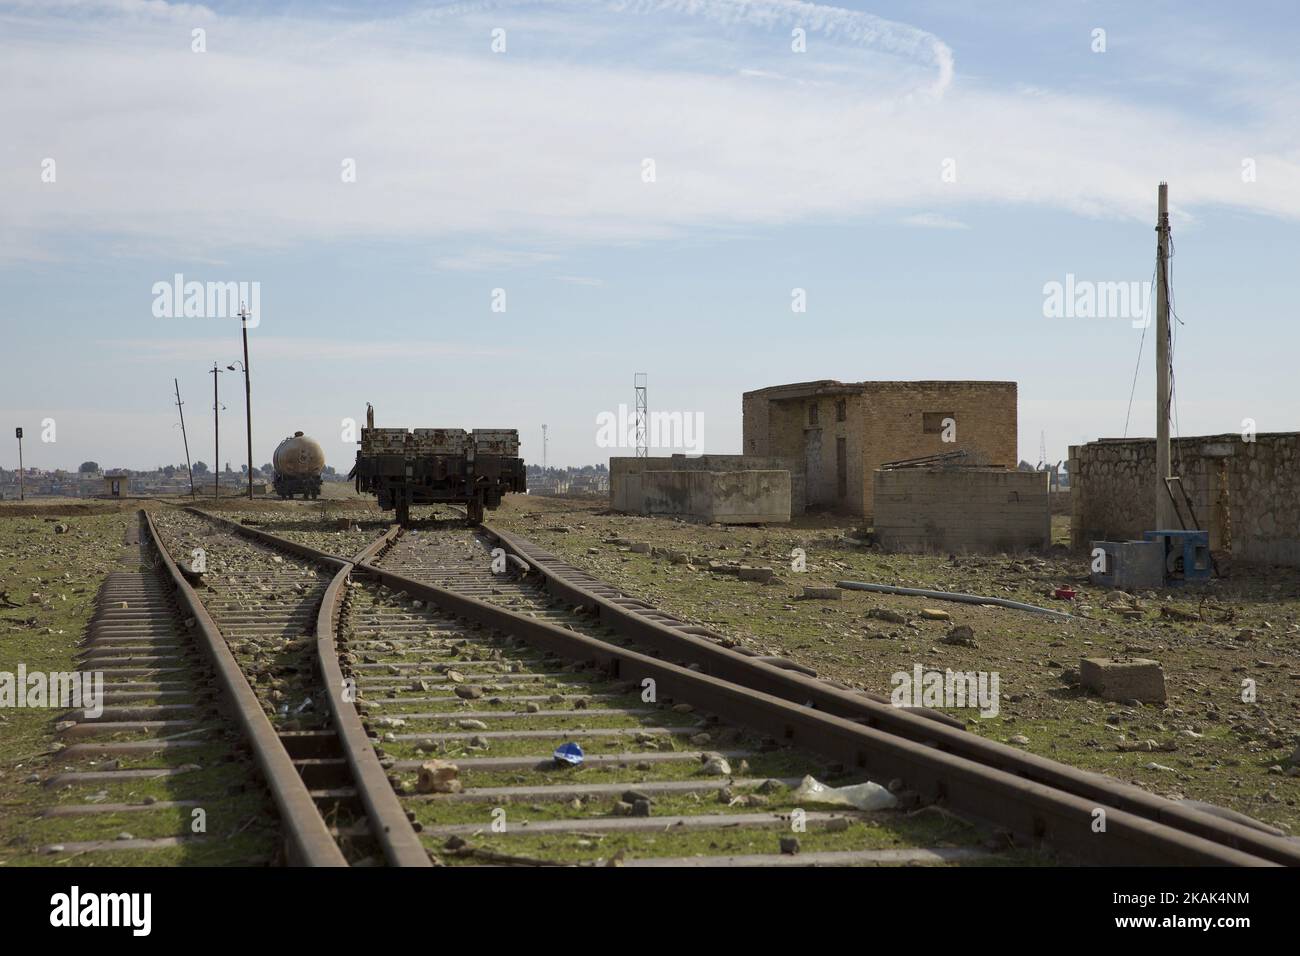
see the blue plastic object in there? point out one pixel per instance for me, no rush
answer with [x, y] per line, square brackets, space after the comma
[1187, 555]
[569, 753]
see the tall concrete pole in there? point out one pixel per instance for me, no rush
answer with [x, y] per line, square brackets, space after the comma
[1166, 515]
[248, 399]
[216, 432]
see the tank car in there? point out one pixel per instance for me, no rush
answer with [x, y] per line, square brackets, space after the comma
[298, 462]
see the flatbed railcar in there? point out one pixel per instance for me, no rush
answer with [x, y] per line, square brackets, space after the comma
[421, 466]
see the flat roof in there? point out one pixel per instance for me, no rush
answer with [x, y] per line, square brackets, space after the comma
[828, 386]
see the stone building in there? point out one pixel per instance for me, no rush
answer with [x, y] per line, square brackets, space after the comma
[1246, 494]
[836, 434]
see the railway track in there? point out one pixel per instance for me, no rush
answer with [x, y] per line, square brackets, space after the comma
[160, 774]
[574, 599]
[265, 605]
[441, 659]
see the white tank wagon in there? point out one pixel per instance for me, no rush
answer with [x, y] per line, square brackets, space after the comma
[298, 462]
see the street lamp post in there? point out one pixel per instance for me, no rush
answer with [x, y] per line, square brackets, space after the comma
[18, 432]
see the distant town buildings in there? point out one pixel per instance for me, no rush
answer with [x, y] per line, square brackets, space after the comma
[167, 480]
[584, 482]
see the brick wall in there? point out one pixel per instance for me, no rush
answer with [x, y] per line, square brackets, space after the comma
[961, 509]
[1245, 494]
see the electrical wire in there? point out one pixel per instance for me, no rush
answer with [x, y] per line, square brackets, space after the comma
[1138, 367]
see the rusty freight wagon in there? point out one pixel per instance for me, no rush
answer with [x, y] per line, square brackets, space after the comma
[431, 465]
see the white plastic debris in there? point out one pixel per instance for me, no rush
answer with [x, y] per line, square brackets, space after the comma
[860, 796]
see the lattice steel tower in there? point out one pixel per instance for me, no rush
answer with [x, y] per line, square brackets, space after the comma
[642, 415]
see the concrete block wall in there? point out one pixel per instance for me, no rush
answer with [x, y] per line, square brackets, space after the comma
[1245, 494]
[961, 509]
[726, 497]
[625, 475]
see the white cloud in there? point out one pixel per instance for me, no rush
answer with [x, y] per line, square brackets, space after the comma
[542, 147]
[480, 260]
[931, 220]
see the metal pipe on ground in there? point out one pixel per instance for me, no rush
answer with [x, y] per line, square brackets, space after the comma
[949, 596]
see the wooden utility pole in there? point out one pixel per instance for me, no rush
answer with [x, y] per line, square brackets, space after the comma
[1166, 515]
[184, 437]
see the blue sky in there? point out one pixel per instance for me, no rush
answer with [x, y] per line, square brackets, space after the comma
[522, 171]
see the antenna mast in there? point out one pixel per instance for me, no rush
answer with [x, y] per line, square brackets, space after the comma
[642, 414]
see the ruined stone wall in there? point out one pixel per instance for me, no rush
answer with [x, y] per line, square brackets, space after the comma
[1246, 494]
[961, 509]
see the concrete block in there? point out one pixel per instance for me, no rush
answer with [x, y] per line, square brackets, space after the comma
[822, 594]
[640, 547]
[1130, 565]
[726, 489]
[762, 575]
[1124, 679]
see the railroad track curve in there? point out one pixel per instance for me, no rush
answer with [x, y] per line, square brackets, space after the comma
[463, 675]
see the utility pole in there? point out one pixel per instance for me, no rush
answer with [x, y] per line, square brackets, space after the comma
[184, 437]
[248, 397]
[1166, 515]
[216, 432]
[21, 495]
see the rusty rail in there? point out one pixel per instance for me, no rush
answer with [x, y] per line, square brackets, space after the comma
[1033, 812]
[307, 839]
[384, 814]
[875, 712]
[975, 778]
